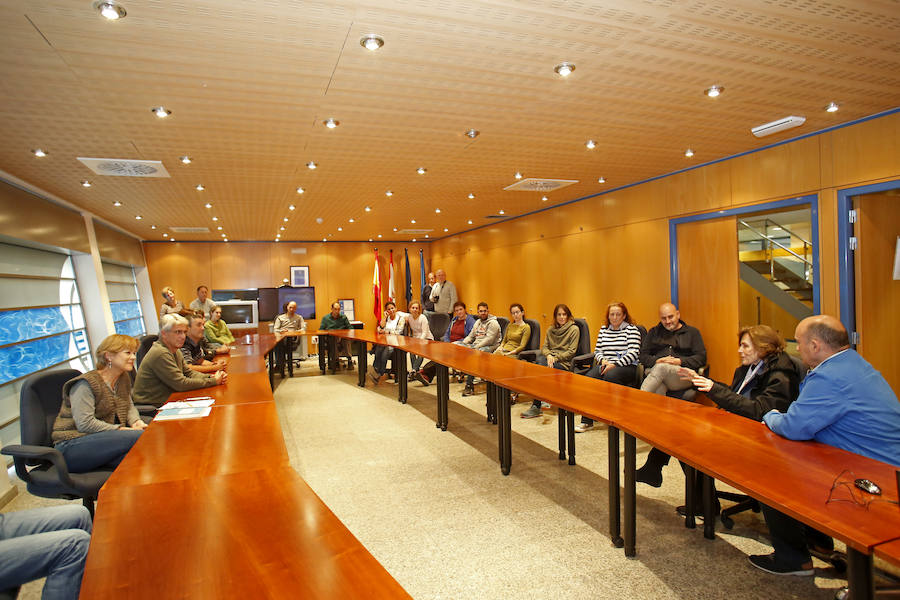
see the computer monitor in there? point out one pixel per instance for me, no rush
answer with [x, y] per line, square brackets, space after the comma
[305, 297]
[269, 308]
[241, 314]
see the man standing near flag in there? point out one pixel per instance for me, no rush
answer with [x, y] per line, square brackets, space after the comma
[443, 293]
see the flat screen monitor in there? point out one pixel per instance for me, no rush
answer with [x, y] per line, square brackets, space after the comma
[241, 314]
[269, 308]
[305, 297]
[245, 294]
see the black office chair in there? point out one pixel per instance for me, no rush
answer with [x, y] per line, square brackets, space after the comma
[504, 323]
[145, 410]
[49, 476]
[438, 323]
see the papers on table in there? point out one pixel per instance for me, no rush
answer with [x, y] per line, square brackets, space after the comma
[189, 408]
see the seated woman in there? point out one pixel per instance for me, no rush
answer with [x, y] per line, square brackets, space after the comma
[460, 326]
[170, 304]
[558, 350]
[418, 328]
[616, 352]
[97, 423]
[766, 379]
[216, 331]
[392, 322]
[517, 332]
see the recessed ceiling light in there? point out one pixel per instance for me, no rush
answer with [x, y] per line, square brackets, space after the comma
[395, 229]
[153, 227]
[370, 239]
[39, 153]
[311, 165]
[714, 91]
[215, 218]
[300, 190]
[208, 205]
[601, 180]
[330, 123]
[564, 69]
[414, 239]
[223, 235]
[219, 228]
[185, 159]
[117, 203]
[544, 198]
[171, 239]
[277, 235]
[161, 111]
[689, 153]
[437, 210]
[421, 170]
[518, 175]
[85, 183]
[340, 228]
[590, 144]
[138, 217]
[472, 133]
[351, 220]
[502, 212]
[368, 209]
[471, 196]
[426, 235]
[281, 228]
[470, 221]
[199, 187]
[277, 240]
[319, 220]
[379, 235]
[413, 221]
[389, 193]
[165, 235]
[324, 239]
[446, 230]
[371, 42]
[832, 107]
[225, 239]
[112, 11]
[285, 219]
[292, 207]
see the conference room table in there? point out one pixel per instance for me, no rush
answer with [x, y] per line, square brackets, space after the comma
[210, 508]
[796, 478]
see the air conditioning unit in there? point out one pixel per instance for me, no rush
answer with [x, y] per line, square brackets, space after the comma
[779, 125]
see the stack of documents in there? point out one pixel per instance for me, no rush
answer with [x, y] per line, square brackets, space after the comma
[189, 408]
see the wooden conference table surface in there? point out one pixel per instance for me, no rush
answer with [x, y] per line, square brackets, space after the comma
[210, 508]
[889, 551]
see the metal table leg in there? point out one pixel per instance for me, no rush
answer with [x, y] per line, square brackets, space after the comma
[860, 579]
[709, 518]
[615, 504]
[443, 396]
[504, 430]
[491, 404]
[561, 419]
[332, 353]
[690, 502]
[271, 360]
[289, 355]
[630, 495]
[400, 370]
[362, 360]
[322, 351]
[570, 432]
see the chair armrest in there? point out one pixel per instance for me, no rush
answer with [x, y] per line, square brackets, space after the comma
[529, 355]
[23, 452]
[146, 409]
[583, 359]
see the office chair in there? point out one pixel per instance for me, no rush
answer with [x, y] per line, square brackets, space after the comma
[438, 323]
[10, 594]
[504, 323]
[582, 363]
[584, 342]
[49, 476]
[144, 344]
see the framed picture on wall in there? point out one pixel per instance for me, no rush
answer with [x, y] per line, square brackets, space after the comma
[347, 308]
[300, 276]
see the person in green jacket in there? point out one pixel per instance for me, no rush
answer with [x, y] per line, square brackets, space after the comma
[215, 330]
[337, 320]
[558, 350]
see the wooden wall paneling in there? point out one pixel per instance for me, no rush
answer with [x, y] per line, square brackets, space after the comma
[699, 190]
[241, 265]
[708, 288]
[43, 222]
[867, 151]
[826, 159]
[180, 265]
[829, 292]
[877, 293]
[788, 170]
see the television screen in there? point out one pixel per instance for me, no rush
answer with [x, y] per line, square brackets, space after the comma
[237, 313]
[269, 308]
[305, 297]
[246, 294]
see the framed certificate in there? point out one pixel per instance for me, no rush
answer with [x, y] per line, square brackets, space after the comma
[299, 276]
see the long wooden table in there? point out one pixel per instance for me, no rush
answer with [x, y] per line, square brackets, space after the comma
[792, 477]
[210, 508]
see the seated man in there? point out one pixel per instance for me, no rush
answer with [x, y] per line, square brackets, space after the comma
[49, 542]
[216, 331]
[198, 356]
[336, 320]
[843, 402]
[202, 303]
[460, 326]
[163, 372]
[485, 336]
[289, 320]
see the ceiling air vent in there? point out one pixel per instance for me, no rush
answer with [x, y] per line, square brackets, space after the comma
[539, 185]
[189, 229]
[122, 167]
[414, 231]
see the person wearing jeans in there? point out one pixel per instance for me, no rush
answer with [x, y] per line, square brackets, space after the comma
[558, 350]
[47, 542]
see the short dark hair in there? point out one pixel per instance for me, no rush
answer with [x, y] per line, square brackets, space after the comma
[459, 303]
[515, 304]
[565, 309]
[335, 302]
[200, 287]
[830, 336]
[390, 303]
[484, 304]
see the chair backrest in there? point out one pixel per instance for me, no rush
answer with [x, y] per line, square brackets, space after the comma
[143, 348]
[799, 366]
[534, 340]
[438, 323]
[39, 403]
[584, 337]
[504, 323]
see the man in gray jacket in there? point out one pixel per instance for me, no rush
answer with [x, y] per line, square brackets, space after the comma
[485, 336]
[443, 293]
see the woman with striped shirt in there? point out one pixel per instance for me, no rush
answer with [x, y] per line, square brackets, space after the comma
[616, 352]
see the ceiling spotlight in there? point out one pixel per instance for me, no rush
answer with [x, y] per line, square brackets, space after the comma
[165, 235]
[324, 239]
[39, 153]
[471, 196]
[215, 218]
[379, 235]
[199, 187]
[370, 239]
[714, 91]
[219, 228]
[161, 111]
[590, 144]
[368, 209]
[832, 107]
[371, 42]
[300, 190]
[117, 203]
[110, 10]
[502, 212]
[544, 198]
[413, 221]
[340, 228]
[389, 193]
[330, 123]
[564, 69]
[223, 235]
[281, 228]
[277, 240]
[421, 170]
[601, 180]
[395, 229]
[426, 235]
[292, 207]
[285, 219]
[85, 183]
[414, 239]
[208, 205]
[278, 235]
[153, 227]
[470, 221]
[437, 210]
[224, 239]
[518, 175]
[446, 230]
[311, 165]
[138, 217]
[351, 220]
[171, 239]
[185, 159]
[472, 133]
[689, 153]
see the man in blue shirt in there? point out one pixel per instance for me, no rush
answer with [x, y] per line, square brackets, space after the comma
[843, 402]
